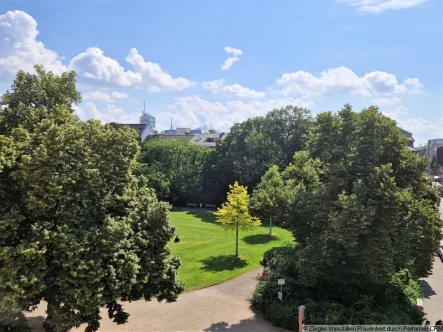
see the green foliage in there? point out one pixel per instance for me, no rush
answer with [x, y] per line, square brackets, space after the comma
[77, 229]
[360, 194]
[33, 96]
[255, 145]
[337, 303]
[355, 193]
[172, 167]
[234, 215]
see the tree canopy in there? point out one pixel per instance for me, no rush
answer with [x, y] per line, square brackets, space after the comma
[358, 193]
[172, 167]
[253, 146]
[77, 229]
[234, 214]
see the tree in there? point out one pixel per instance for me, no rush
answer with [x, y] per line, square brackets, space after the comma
[359, 194]
[435, 167]
[212, 131]
[255, 145]
[235, 213]
[172, 167]
[39, 92]
[268, 201]
[77, 228]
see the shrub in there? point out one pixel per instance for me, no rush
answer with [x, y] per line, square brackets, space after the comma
[334, 303]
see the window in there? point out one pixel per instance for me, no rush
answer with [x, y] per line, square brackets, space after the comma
[198, 139]
[210, 140]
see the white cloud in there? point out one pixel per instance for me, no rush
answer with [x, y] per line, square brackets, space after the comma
[379, 6]
[423, 129]
[100, 96]
[219, 87]
[95, 66]
[344, 80]
[397, 114]
[414, 85]
[154, 78]
[110, 113]
[386, 101]
[106, 97]
[119, 95]
[234, 58]
[19, 47]
[195, 112]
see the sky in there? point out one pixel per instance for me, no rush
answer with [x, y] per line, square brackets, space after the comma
[215, 63]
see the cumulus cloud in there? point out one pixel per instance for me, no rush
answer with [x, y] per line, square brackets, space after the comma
[95, 66]
[119, 95]
[219, 87]
[234, 58]
[105, 97]
[110, 113]
[195, 112]
[397, 114]
[154, 78]
[379, 6]
[344, 80]
[386, 101]
[19, 47]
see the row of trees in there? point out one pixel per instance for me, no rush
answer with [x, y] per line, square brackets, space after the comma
[181, 172]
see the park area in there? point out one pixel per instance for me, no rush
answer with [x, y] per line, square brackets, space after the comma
[207, 251]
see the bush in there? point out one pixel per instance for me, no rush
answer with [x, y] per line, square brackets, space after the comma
[338, 303]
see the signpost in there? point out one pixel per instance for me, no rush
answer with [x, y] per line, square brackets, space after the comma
[281, 282]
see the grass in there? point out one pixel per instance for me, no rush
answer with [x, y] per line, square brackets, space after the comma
[207, 251]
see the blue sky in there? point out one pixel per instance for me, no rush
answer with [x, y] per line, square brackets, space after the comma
[215, 63]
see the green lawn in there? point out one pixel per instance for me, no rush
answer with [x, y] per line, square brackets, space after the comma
[207, 251]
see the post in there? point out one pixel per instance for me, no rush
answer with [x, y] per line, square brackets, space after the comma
[270, 226]
[301, 317]
[236, 242]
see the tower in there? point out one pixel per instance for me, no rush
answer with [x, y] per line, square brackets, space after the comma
[147, 118]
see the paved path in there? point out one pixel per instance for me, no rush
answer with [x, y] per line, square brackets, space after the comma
[433, 288]
[223, 307]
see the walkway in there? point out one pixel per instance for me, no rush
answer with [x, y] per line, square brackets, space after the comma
[433, 288]
[223, 307]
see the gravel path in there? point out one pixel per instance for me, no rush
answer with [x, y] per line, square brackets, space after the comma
[223, 307]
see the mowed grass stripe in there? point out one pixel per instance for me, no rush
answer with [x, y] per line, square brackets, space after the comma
[207, 251]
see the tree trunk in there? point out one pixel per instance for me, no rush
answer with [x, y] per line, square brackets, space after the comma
[236, 242]
[50, 309]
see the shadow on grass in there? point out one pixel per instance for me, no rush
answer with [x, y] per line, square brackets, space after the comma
[204, 216]
[259, 238]
[222, 263]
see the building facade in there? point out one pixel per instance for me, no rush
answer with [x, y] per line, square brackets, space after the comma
[432, 147]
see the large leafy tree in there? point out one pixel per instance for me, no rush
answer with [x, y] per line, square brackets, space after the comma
[362, 208]
[234, 214]
[255, 145]
[77, 229]
[172, 167]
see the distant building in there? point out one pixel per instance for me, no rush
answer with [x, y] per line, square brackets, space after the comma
[439, 155]
[432, 147]
[410, 143]
[146, 125]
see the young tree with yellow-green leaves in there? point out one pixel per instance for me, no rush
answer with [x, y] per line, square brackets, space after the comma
[235, 213]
